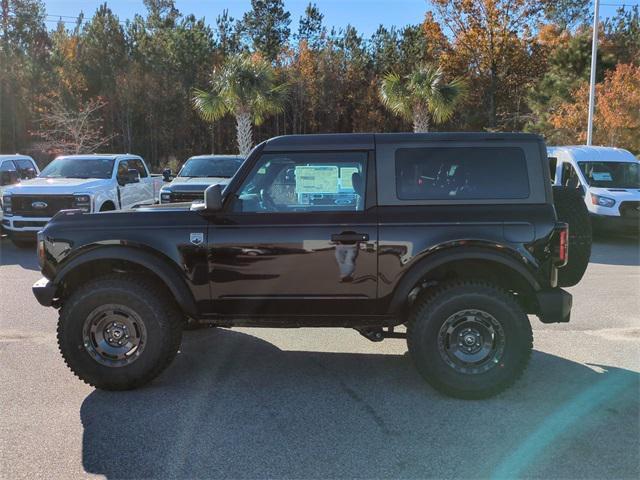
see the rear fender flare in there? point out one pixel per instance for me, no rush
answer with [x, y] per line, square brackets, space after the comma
[167, 273]
[428, 264]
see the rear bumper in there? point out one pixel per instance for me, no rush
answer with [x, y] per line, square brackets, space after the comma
[44, 291]
[554, 305]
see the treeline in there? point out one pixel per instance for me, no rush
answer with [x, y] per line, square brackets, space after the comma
[525, 62]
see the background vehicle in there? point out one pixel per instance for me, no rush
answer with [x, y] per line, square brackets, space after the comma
[197, 174]
[453, 235]
[608, 179]
[14, 169]
[92, 183]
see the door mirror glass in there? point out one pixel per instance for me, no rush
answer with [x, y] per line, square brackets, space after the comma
[167, 175]
[213, 198]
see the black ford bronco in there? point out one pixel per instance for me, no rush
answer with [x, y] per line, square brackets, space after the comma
[453, 235]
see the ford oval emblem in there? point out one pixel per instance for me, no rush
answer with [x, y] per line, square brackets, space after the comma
[39, 205]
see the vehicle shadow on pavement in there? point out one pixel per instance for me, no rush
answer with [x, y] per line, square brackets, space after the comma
[235, 406]
[12, 255]
[615, 250]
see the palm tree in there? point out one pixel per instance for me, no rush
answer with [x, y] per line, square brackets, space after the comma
[246, 88]
[422, 96]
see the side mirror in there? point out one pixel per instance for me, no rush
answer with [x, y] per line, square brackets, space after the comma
[213, 198]
[133, 176]
[167, 175]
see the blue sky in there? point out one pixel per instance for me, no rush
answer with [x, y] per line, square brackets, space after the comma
[365, 15]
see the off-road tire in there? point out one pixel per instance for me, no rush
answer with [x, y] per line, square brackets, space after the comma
[430, 313]
[570, 208]
[162, 321]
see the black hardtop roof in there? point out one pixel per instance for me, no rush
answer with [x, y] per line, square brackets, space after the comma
[367, 141]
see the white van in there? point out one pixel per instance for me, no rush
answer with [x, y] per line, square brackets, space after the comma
[609, 179]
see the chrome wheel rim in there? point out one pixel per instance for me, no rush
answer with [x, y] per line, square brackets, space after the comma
[114, 335]
[471, 341]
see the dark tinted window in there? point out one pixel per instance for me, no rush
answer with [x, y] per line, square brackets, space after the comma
[461, 173]
[210, 167]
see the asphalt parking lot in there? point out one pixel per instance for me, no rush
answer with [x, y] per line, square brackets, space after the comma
[323, 403]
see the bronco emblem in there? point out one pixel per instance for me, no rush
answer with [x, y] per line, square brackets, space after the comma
[39, 205]
[197, 238]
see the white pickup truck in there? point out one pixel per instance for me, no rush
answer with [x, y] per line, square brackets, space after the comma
[92, 183]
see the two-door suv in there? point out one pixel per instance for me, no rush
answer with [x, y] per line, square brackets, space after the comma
[454, 235]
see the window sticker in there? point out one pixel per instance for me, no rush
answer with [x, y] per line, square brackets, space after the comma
[316, 179]
[346, 176]
[601, 176]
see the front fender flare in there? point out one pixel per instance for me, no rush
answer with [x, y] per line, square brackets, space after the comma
[167, 273]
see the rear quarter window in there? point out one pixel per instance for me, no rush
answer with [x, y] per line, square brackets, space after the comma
[461, 173]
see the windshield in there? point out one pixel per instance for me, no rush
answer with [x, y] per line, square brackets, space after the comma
[210, 167]
[611, 174]
[79, 168]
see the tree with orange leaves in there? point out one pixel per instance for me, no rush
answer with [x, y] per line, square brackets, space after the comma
[617, 115]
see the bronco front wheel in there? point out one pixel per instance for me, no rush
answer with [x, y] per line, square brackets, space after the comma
[118, 332]
[469, 339]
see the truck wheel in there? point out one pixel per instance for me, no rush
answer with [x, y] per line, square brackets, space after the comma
[570, 208]
[118, 333]
[469, 339]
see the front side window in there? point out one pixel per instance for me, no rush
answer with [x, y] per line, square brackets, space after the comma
[454, 173]
[139, 166]
[304, 182]
[611, 174]
[7, 166]
[79, 168]
[26, 168]
[219, 167]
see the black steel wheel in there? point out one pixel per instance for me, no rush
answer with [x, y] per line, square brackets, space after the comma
[469, 339]
[119, 332]
[114, 335]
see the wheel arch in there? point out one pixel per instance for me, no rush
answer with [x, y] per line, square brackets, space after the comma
[107, 259]
[467, 263]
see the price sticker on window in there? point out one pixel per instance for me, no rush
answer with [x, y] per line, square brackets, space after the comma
[317, 179]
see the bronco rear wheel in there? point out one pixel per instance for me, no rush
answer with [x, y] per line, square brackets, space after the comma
[570, 208]
[469, 339]
[118, 333]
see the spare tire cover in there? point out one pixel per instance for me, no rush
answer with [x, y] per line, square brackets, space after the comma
[570, 208]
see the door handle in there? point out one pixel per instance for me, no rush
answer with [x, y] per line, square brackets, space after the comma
[350, 237]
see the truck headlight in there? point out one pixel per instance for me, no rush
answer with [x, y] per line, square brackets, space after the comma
[602, 201]
[6, 205]
[165, 197]
[82, 201]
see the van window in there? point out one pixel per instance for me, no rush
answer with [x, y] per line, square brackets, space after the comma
[461, 173]
[570, 176]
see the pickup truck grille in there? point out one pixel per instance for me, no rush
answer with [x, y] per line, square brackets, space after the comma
[186, 196]
[23, 205]
[630, 209]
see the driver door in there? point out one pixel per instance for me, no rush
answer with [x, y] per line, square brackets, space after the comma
[297, 239]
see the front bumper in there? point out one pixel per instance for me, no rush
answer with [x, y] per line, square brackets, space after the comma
[24, 224]
[554, 305]
[44, 291]
[615, 223]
